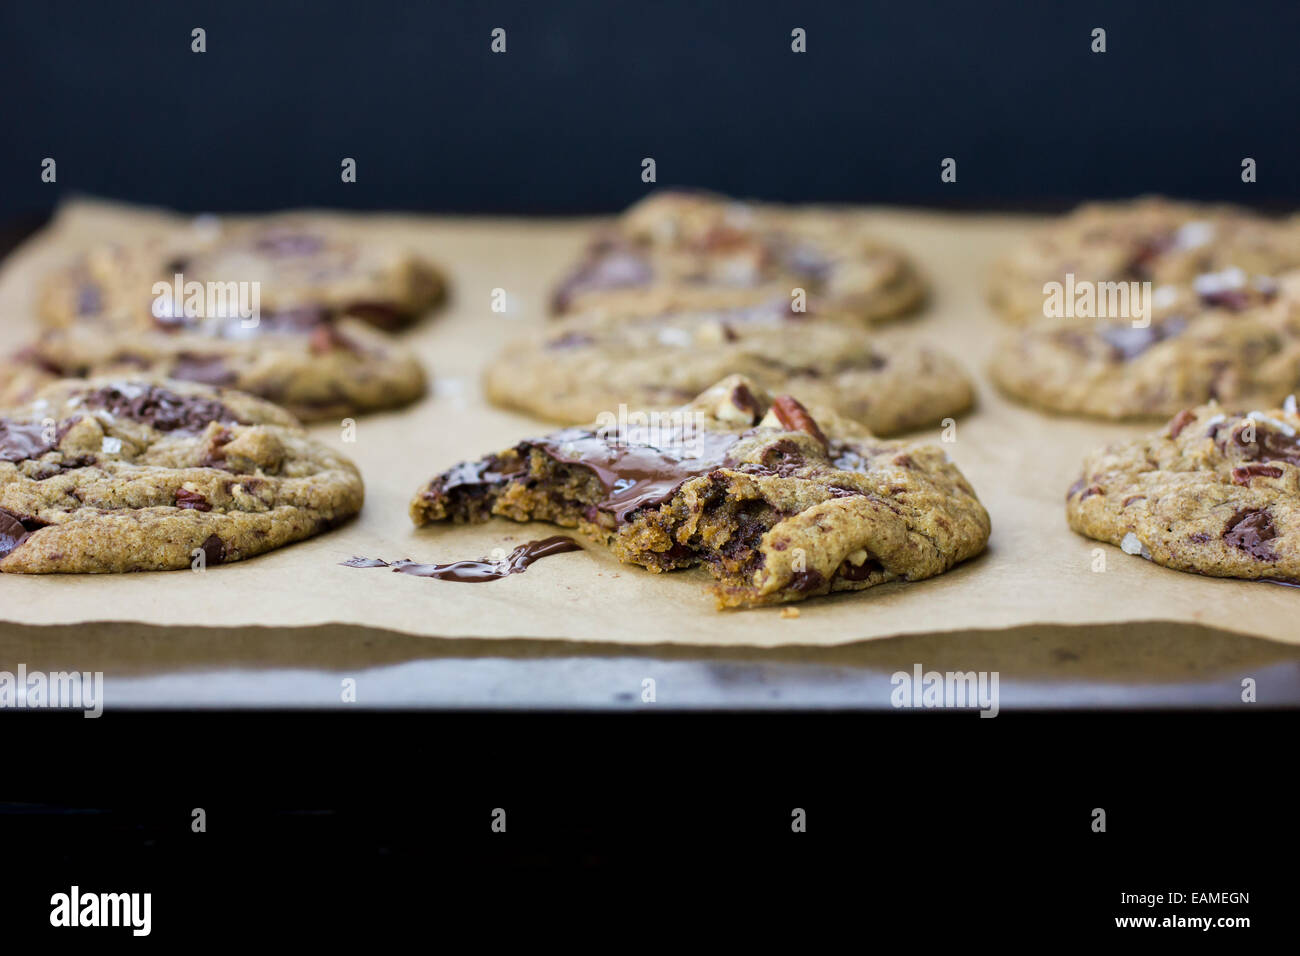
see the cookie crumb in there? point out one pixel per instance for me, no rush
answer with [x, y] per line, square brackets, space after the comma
[790, 612]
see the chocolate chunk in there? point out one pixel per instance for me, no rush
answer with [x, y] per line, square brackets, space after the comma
[300, 320]
[1250, 531]
[90, 299]
[744, 399]
[804, 581]
[609, 265]
[382, 315]
[794, 416]
[191, 499]
[287, 243]
[12, 532]
[1127, 343]
[20, 441]
[804, 260]
[205, 369]
[15, 529]
[1145, 255]
[782, 458]
[1269, 445]
[1234, 300]
[159, 407]
[214, 550]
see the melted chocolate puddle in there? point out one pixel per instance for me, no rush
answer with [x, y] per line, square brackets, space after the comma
[474, 572]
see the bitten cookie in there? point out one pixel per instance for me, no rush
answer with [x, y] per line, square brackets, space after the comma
[134, 475]
[695, 250]
[1151, 239]
[779, 502]
[1214, 492]
[589, 364]
[297, 264]
[318, 366]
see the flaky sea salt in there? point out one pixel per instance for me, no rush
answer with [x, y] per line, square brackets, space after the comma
[1132, 545]
[1209, 283]
[1194, 234]
[675, 337]
[110, 445]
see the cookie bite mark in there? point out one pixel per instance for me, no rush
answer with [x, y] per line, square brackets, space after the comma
[801, 504]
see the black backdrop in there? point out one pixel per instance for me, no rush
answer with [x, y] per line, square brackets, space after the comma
[586, 89]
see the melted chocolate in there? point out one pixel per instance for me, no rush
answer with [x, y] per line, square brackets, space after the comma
[205, 369]
[159, 407]
[636, 474]
[1127, 343]
[476, 572]
[1251, 532]
[20, 441]
[610, 265]
[15, 529]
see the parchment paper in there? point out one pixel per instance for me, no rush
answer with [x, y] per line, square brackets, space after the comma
[1035, 572]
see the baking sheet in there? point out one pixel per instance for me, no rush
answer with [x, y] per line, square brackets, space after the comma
[1035, 572]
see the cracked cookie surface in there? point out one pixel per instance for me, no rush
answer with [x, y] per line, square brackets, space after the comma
[589, 364]
[297, 263]
[1214, 492]
[112, 475]
[679, 249]
[777, 501]
[1242, 350]
[317, 366]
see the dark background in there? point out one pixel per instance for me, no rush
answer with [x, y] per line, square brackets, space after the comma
[560, 123]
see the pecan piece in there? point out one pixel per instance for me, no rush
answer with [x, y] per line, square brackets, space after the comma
[795, 417]
[1181, 421]
[191, 499]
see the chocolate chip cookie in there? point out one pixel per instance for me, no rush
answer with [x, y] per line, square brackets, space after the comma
[112, 475]
[297, 264]
[319, 366]
[589, 364]
[1214, 491]
[696, 250]
[1242, 348]
[778, 501]
[1151, 239]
